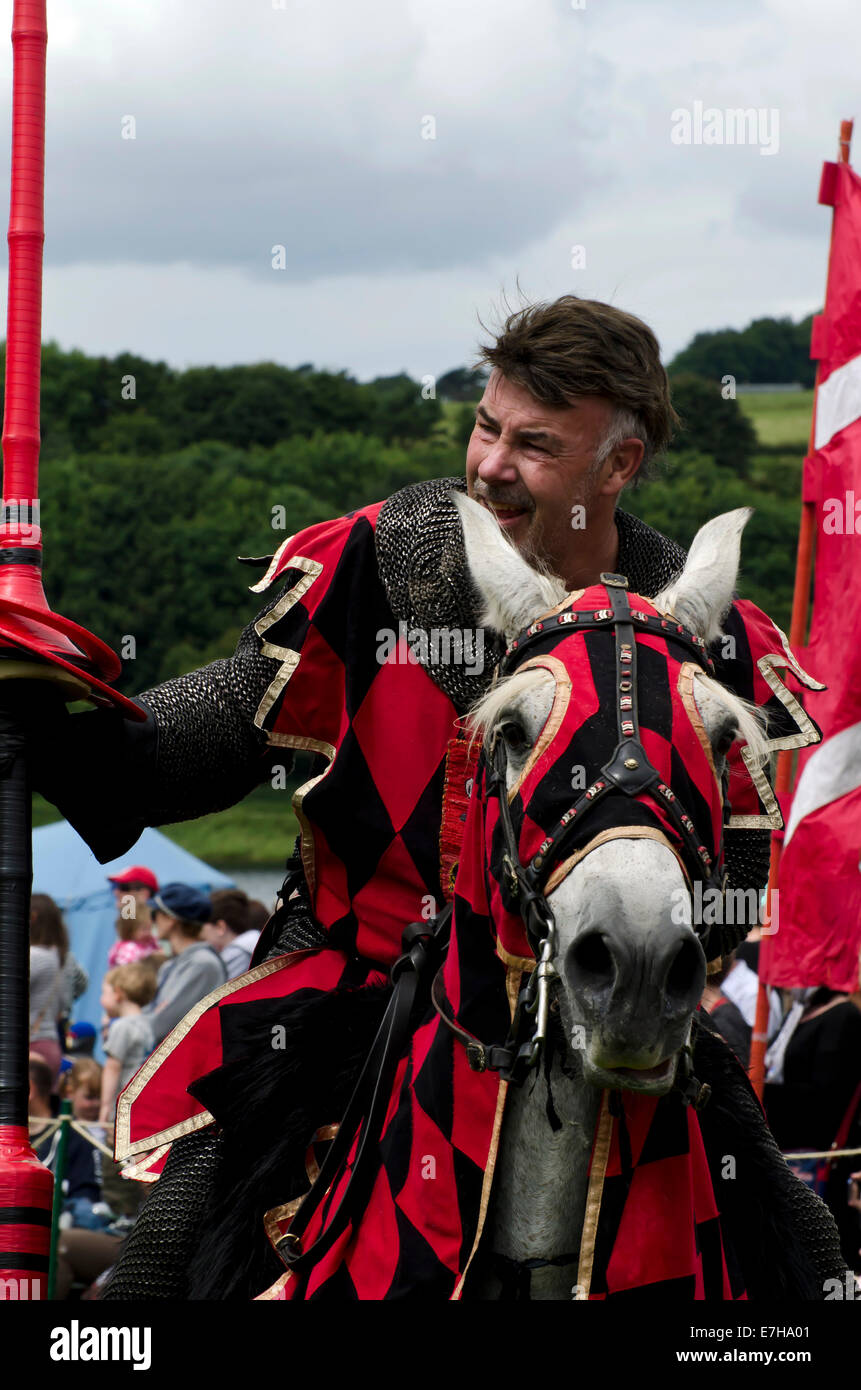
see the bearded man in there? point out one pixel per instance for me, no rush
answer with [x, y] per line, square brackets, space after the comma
[345, 662]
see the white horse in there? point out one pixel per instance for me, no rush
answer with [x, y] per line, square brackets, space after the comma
[629, 969]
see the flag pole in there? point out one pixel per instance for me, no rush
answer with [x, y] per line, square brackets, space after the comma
[39, 652]
[797, 638]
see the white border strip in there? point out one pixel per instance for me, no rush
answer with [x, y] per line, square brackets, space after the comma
[838, 402]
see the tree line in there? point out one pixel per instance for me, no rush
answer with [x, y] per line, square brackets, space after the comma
[147, 499]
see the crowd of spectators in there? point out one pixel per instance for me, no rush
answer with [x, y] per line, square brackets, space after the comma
[173, 946]
[812, 1092]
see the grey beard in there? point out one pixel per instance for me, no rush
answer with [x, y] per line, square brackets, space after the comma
[533, 549]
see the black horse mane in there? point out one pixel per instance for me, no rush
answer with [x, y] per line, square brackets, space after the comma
[268, 1104]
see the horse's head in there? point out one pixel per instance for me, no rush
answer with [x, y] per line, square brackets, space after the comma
[628, 952]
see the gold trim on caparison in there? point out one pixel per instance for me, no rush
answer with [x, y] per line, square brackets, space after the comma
[274, 1289]
[807, 733]
[140, 1172]
[486, 1184]
[685, 687]
[263, 584]
[560, 607]
[123, 1147]
[617, 832]
[552, 724]
[595, 1191]
[512, 961]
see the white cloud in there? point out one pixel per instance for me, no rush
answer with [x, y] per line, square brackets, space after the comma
[302, 126]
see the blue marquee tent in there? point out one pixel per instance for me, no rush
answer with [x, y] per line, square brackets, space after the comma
[66, 869]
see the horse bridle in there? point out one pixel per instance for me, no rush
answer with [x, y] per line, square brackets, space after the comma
[628, 771]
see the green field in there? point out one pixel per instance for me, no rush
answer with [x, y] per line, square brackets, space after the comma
[781, 418]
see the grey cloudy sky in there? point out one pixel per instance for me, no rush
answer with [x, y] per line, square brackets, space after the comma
[259, 123]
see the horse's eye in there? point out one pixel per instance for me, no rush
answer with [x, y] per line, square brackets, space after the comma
[514, 735]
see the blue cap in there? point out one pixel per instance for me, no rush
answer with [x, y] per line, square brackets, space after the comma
[81, 1030]
[179, 900]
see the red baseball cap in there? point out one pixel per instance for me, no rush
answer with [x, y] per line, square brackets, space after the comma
[136, 874]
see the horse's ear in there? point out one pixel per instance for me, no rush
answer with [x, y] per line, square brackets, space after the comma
[702, 594]
[512, 592]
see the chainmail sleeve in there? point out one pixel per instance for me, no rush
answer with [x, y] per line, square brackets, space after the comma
[209, 752]
[199, 751]
[154, 1260]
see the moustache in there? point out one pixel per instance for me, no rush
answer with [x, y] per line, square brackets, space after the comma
[502, 499]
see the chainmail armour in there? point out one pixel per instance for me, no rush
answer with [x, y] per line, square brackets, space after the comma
[423, 567]
[210, 754]
[158, 1250]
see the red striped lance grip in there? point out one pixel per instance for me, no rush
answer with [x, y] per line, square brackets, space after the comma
[26, 1188]
[26, 239]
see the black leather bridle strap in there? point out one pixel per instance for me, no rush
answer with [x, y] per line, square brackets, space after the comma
[481, 1056]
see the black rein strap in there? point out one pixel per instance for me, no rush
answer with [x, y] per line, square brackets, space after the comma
[423, 945]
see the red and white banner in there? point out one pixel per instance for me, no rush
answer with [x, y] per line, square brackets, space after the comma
[818, 939]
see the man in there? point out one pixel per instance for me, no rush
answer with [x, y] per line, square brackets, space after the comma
[230, 933]
[194, 969]
[368, 656]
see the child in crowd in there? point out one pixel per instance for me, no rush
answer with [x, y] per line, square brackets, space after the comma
[82, 1195]
[133, 890]
[82, 1085]
[125, 991]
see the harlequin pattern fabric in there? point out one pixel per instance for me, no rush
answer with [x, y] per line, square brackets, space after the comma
[382, 732]
[659, 1224]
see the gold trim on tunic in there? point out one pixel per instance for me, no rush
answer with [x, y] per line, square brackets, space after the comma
[289, 658]
[306, 745]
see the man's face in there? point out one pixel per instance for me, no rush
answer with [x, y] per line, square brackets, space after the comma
[163, 924]
[532, 464]
[214, 934]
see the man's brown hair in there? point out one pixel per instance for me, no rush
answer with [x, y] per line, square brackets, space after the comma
[581, 347]
[230, 905]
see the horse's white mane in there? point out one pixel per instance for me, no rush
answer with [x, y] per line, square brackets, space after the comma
[748, 718]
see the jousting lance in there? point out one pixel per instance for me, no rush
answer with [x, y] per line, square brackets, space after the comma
[36, 646]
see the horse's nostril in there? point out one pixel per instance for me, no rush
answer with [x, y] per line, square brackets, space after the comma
[683, 975]
[591, 961]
